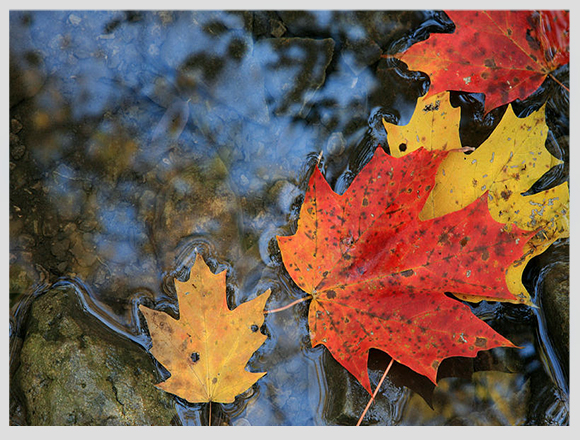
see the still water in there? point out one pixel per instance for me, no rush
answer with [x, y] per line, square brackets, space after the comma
[139, 139]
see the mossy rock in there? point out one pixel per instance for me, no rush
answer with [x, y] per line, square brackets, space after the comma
[75, 371]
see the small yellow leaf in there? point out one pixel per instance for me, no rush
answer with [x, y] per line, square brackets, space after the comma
[434, 125]
[206, 350]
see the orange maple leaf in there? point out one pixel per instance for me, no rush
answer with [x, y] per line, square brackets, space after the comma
[206, 350]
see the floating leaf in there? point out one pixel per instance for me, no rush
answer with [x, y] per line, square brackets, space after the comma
[378, 275]
[206, 350]
[434, 126]
[504, 54]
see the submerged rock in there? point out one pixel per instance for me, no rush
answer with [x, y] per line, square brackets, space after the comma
[75, 371]
[555, 302]
[553, 298]
[349, 398]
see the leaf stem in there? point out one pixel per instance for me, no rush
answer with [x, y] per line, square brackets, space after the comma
[307, 297]
[558, 82]
[375, 393]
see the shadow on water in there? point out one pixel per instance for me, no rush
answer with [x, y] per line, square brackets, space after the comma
[141, 139]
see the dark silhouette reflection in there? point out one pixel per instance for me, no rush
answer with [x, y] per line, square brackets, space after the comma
[140, 139]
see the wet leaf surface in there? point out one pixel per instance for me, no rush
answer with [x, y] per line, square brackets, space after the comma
[504, 54]
[505, 166]
[206, 350]
[377, 274]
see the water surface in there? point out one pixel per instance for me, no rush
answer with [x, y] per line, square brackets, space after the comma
[140, 139]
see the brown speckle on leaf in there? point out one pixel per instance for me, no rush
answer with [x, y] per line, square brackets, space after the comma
[481, 342]
[505, 194]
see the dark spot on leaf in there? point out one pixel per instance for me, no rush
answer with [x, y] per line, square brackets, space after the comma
[505, 194]
[365, 202]
[481, 342]
[331, 294]
[214, 380]
[431, 108]
[194, 357]
[403, 147]
[254, 328]
[490, 62]
[464, 241]
[443, 238]
[408, 273]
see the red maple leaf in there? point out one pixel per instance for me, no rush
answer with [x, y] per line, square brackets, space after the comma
[504, 54]
[378, 275]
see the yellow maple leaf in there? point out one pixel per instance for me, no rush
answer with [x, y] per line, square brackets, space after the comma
[506, 165]
[434, 125]
[206, 350]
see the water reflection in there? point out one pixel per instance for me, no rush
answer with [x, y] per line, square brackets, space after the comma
[139, 139]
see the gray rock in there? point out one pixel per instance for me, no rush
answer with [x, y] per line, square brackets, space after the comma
[75, 371]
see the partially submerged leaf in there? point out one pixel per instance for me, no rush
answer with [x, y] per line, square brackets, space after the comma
[206, 350]
[505, 166]
[504, 54]
[378, 275]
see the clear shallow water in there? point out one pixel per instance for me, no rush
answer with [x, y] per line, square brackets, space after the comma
[141, 138]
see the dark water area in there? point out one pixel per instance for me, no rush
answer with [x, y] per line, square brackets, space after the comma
[139, 140]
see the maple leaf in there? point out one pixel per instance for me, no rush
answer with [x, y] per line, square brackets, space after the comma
[207, 348]
[378, 275]
[505, 166]
[504, 54]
